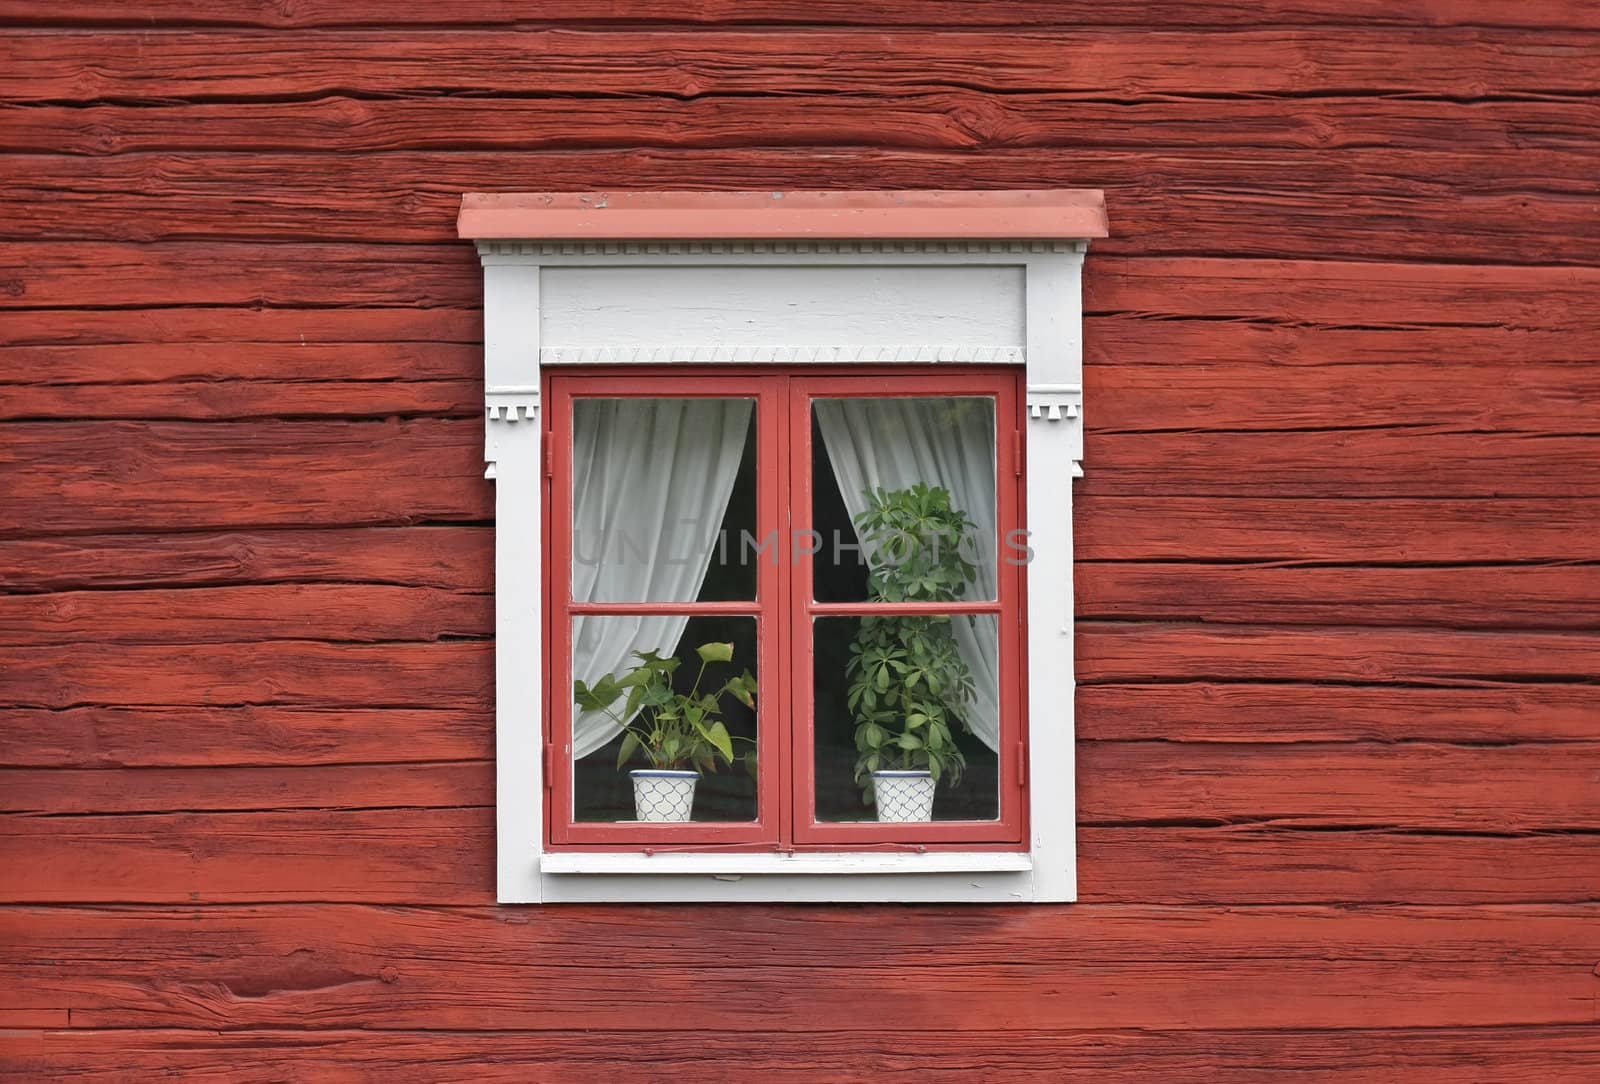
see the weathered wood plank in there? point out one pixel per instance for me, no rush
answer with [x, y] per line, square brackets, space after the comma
[945, 119]
[361, 613]
[101, 736]
[65, 476]
[1274, 864]
[1469, 597]
[210, 737]
[410, 969]
[191, 273]
[1181, 528]
[1352, 462]
[209, 400]
[1412, 786]
[447, 675]
[460, 558]
[372, 856]
[1246, 202]
[216, 787]
[179, 64]
[446, 856]
[1525, 1055]
[90, 476]
[128, 365]
[176, 343]
[1144, 653]
[1140, 14]
[1132, 398]
[1495, 789]
[1203, 711]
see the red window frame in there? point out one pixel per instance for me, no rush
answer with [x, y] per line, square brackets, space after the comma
[783, 609]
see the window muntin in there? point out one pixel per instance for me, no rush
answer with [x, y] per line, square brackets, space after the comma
[762, 571]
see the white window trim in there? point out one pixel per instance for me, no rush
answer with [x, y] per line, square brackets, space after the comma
[1052, 354]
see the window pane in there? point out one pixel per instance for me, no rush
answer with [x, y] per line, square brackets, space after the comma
[663, 500]
[903, 499]
[917, 693]
[679, 666]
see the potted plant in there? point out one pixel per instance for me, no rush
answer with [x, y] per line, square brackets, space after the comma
[680, 734]
[909, 685]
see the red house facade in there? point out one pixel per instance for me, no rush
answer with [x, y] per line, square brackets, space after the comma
[1337, 723]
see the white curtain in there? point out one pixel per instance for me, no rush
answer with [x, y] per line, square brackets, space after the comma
[949, 442]
[651, 480]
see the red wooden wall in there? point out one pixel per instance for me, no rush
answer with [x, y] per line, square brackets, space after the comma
[1340, 536]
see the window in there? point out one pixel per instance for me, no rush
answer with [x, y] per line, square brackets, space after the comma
[851, 542]
[775, 514]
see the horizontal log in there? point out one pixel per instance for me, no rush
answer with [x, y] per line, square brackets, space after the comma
[1254, 864]
[446, 856]
[193, 365]
[383, 855]
[448, 675]
[1554, 14]
[1414, 786]
[1175, 528]
[1411, 786]
[1468, 597]
[360, 613]
[198, 737]
[210, 788]
[945, 119]
[192, 273]
[232, 399]
[1311, 292]
[1279, 204]
[1208, 712]
[172, 343]
[211, 737]
[1132, 397]
[64, 476]
[147, 64]
[1442, 1056]
[399, 969]
[1148, 653]
[90, 476]
[460, 558]
[1355, 462]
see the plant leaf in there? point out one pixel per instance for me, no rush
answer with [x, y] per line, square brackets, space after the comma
[715, 652]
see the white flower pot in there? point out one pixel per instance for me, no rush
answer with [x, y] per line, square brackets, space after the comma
[903, 796]
[660, 795]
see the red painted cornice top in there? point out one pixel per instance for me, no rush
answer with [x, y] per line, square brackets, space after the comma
[1016, 214]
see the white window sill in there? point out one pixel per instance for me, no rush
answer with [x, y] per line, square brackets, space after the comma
[736, 865]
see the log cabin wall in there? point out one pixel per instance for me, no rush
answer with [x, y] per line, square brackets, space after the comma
[1339, 610]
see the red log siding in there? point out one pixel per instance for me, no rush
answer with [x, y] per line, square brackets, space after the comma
[1339, 579]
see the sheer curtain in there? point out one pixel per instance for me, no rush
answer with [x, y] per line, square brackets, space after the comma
[651, 480]
[947, 442]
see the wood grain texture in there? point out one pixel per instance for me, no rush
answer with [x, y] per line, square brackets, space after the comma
[220, 63]
[1559, 14]
[1521, 1055]
[254, 968]
[1219, 202]
[1338, 717]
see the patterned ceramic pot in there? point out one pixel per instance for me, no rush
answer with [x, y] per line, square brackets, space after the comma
[903, 796]
[662, 795]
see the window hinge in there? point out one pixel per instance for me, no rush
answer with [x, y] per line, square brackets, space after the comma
[1022, 764]
[549, 766]
[544, 453]
[1016, 452]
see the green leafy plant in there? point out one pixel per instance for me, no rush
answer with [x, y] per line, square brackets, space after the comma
[674, 730]
[909, 685]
